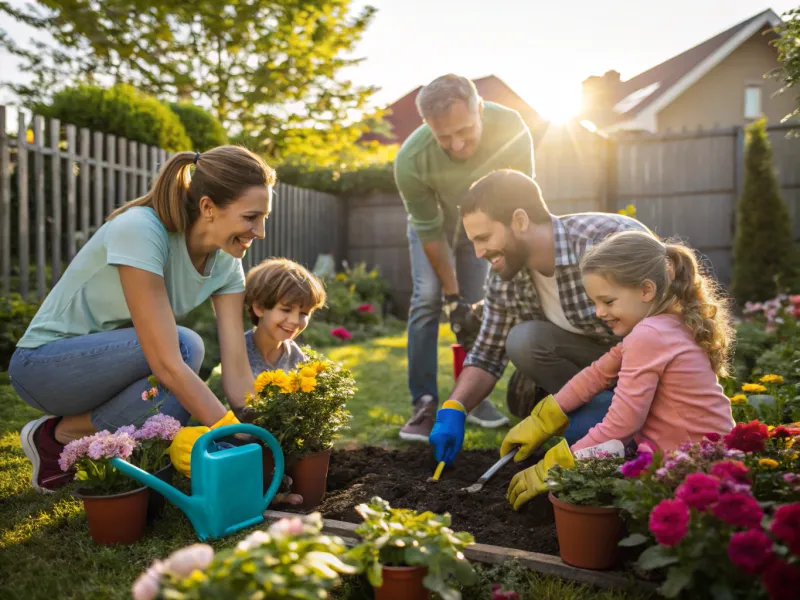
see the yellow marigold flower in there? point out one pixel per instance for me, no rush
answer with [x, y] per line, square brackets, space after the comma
[738, 399]
[262, 381]
[291, 383]
[753, 388]
[249, 567]
[771, 378]
[794, 456]
[307, 384]
[197, 576]
[308, 372]
[768, 462]
[341, 277]
[248, 398]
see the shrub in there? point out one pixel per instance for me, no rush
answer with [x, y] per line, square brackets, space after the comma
[15, 316]
[120, 110]
[762, 251]
[203, 128]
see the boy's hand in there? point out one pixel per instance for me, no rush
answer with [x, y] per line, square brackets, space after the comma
[245, 414]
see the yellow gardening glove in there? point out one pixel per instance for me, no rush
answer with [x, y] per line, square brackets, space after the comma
[546, 420]
[180, 450]
[529, 483]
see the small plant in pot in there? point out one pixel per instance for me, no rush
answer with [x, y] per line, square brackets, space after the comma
[292, 559]
[407, 555]
[305, 410]
[587, 523]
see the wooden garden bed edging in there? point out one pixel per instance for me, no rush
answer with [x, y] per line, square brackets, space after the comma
[484, 553]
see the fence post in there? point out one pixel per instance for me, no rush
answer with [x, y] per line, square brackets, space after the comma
[738, 174]
[85, 205]
[22, 200]
[72, 203]
[97, 154]
[5, 205]
[55, 198]
[611, 191]
[122, 169]
[38, 178]
[111, 172]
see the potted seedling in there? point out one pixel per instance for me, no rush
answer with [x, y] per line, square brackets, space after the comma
[588, 525]
[305, 410]
[407, 555]
[292, 559]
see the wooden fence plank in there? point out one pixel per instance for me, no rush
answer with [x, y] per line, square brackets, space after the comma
[72, 213]
[111, 173]
[85, 181]
[98, 200]
[122, 165]
[23, 213]
[133, 160]
[38, 178]
[5, 204]
[144, 184]
[55, 199]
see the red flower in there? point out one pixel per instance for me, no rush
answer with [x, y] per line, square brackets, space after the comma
[739, 510]
[781, 581]
[786, 526]
[712, 437]
[341, 333]
[750, 550]
[698, 490]
[732, 470]
[669, 521]
[747, 437]
[366, 308]
[784, 431]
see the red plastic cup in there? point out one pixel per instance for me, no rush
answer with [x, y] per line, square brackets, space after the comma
[459, 354]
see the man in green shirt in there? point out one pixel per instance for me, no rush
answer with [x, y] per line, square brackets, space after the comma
[462, 139]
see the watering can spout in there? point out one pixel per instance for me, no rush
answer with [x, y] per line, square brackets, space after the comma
[171, 493]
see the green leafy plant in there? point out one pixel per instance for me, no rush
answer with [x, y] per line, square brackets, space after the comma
[305, 408]
[590, 482]
[203, 128]
[395, 537]
[291, 559]
[15, 316]
[770, 401]
[120, 110]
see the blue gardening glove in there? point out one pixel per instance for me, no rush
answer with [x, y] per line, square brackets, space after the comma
[447, 434]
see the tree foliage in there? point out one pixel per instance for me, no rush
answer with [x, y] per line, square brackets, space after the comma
[788, 45]
[269, 69]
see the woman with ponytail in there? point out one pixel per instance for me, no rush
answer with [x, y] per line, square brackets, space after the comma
[110, 321]
[677, 339]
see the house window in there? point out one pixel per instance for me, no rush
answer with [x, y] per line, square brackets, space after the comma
[752, 102]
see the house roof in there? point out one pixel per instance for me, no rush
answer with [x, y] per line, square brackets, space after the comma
[403, 117]
[639, 99]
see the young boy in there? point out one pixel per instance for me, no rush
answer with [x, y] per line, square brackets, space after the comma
[280, 296]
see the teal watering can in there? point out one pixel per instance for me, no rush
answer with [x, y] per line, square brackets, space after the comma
[227, 483]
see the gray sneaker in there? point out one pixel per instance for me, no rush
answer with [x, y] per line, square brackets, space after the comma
[420, 424]
[486, 415]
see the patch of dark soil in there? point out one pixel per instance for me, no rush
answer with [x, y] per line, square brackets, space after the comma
[400, 477]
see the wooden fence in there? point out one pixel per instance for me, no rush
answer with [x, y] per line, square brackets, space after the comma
[58, 183]
[683, 185]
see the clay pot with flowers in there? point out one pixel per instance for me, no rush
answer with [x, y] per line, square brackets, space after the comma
[588, 524]
[116, 506]
[305, 410]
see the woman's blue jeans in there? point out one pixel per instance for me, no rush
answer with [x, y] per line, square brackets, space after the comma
[102, 373]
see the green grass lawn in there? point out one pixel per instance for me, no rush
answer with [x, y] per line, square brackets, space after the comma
[46, 551]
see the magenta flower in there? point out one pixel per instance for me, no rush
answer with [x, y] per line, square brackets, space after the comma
[637, 466]
[750, 550]
[739, 510]
[712, 437]
[786, 526]
[158, 426]
[732, 470]
[366, 308]
[669, 521]
[341, 333]
[781, 580]
[698, 490]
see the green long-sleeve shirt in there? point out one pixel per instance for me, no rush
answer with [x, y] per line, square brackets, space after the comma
[432, 184]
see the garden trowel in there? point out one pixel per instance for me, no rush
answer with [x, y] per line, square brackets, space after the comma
[478, 485]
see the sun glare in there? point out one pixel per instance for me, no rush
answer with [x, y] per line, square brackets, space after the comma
[558, 108]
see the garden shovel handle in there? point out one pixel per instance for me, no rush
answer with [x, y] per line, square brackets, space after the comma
[202, 446]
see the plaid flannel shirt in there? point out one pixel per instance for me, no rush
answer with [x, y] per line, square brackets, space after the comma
[510, 302]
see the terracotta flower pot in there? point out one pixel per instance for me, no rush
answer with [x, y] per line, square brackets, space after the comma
[587, 535]
[309, 478]
[117, 519]
[403, 583]
[156, 502]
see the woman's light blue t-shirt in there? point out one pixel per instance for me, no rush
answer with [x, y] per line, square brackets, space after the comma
[89, 299]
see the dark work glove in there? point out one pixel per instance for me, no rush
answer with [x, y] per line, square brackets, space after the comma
[464, 323]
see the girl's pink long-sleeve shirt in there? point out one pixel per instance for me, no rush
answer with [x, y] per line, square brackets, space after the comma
[667, 392]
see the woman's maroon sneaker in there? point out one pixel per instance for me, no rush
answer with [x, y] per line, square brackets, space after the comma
[40, 446]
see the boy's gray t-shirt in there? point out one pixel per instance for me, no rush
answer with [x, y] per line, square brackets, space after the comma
[292, 355]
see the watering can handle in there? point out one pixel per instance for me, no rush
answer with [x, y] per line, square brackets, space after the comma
[202, 444]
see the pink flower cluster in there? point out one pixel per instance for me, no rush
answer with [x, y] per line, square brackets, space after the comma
[341, 333]
[158, 426]
[150, 394]
[101, 445]
[366, 308]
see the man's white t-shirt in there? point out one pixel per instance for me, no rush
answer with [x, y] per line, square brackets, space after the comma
[547, 290]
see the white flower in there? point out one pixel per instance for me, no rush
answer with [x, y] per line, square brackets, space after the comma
[291, 526]
[148, 583]
[255, 539]
[182, 562]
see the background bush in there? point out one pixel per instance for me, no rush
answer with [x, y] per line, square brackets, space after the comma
[203, 128]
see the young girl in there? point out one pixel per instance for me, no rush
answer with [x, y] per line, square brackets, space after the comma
[280, 296]
[677, 339]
